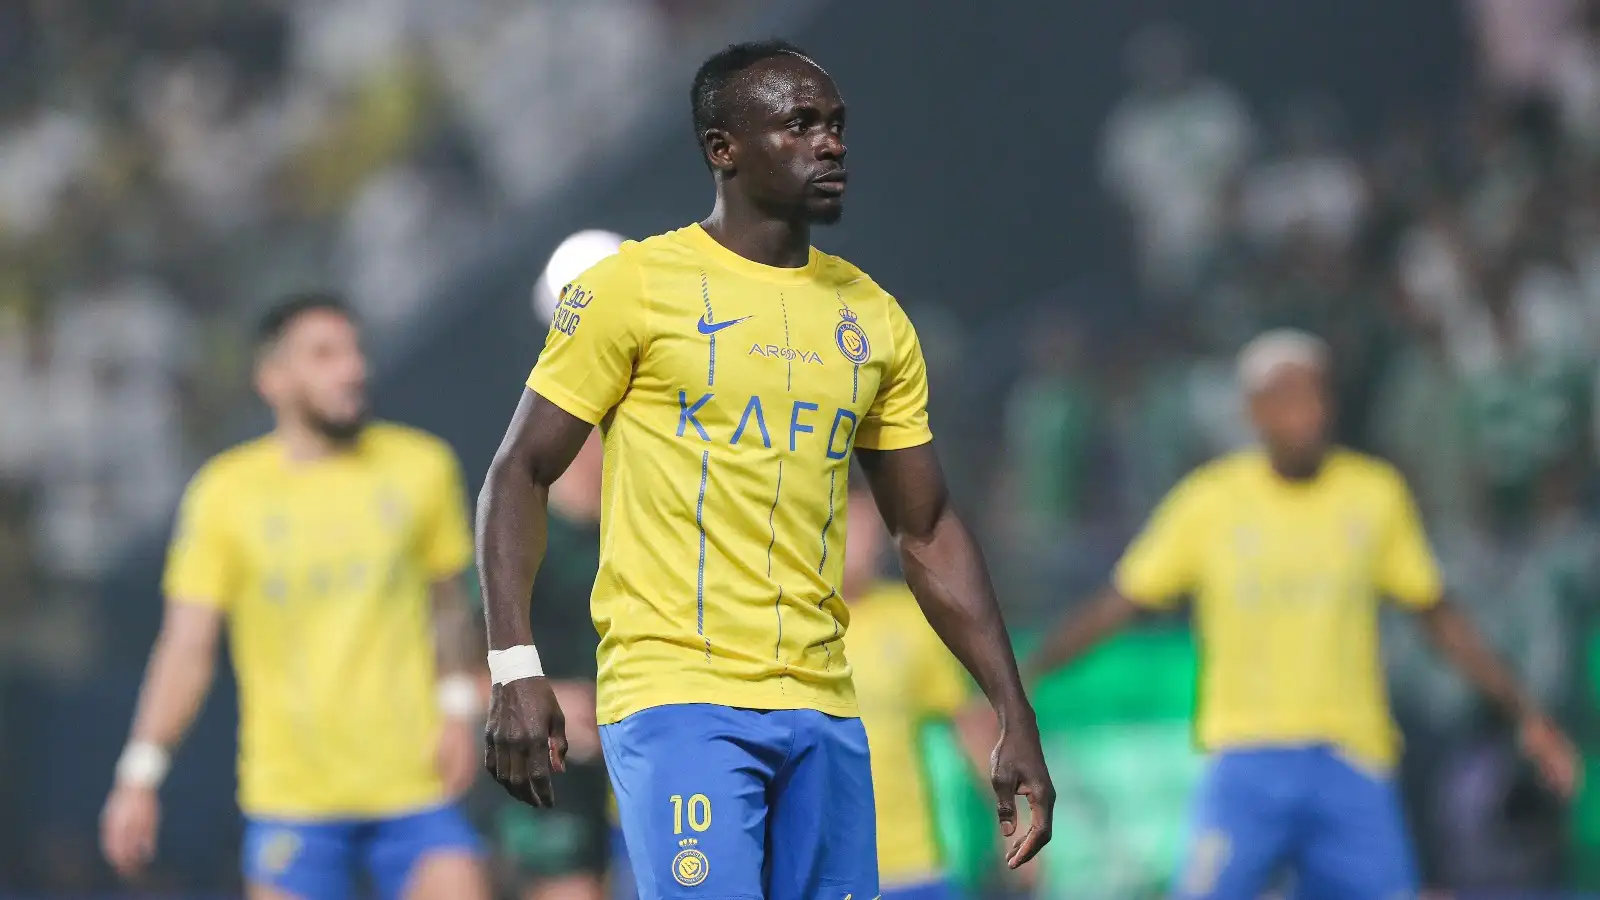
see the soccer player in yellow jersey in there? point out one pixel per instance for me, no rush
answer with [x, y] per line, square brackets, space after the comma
[1286, 551]
[334, 549]
[733, 371]
[904, 677]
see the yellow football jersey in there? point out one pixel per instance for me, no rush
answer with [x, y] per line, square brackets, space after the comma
[730, 395]
[904, 676]
[1286, 579]
[324, 570]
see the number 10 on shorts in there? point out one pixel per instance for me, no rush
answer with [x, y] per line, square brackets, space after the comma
[699, 813]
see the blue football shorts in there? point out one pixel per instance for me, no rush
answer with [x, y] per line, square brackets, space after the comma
[318, 860]
[719, 803]
[1334, 828]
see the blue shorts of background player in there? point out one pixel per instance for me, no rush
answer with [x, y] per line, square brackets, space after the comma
[720, 802]
[1334, 827]
[318, 860]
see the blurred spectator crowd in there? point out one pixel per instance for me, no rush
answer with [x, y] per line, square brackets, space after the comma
[168, 165]
[1453, 262]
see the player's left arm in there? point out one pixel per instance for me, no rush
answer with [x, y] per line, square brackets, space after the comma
[458, 653]
[946, 572]
[942, 690]
[1455, 637]
[1408, 573]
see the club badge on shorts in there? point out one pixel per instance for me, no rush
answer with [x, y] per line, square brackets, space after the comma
[690, 866]
[278, 851]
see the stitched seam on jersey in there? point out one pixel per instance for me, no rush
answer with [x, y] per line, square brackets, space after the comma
[825, 648]
[772, 518]
[833, 474]
[777, 647]
[855, 368]
[711, 364]
[700, 581]
[649, 309]
[786, 343]
[777, 605]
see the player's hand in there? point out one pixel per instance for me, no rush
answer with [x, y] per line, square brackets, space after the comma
[577, 705]
[1017, 768]
[1551, 752]
[457, 758]
[128, 828]
[525, 740]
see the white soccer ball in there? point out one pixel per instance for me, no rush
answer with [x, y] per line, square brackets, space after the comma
[572, 257]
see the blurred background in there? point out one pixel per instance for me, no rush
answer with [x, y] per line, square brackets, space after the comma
[1086, 208]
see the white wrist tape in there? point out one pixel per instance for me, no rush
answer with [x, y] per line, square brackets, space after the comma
[514, 664]
[143, 764]
[458, 696]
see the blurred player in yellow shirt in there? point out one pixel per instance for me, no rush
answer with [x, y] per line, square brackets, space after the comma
[1286, 551]
[334, 550]
[905, 677]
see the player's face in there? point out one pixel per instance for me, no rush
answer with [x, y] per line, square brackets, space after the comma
[788, 148]
[1291, 413]
[318, 373]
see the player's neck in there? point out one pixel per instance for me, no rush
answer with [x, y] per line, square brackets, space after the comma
[1299, 471]
[757, 236]
[302, 444]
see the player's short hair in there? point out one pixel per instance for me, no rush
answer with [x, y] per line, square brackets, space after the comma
[275, 322]
[710, 97]
[1264, 355]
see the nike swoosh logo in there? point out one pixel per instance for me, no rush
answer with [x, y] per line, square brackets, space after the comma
[707, 326]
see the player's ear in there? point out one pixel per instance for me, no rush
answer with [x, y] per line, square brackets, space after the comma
[720, 149]
[268, 375]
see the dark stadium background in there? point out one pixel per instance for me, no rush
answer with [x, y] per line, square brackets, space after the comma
[976, 148]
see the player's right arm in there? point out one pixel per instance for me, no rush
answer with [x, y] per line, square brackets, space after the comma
[1160, 567]
[584, 370]
[200, 569]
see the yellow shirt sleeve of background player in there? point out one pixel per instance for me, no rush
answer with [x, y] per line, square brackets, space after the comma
[1162, 565]
[201, 563]
[447, 535]
[595, 339]
[1407, 571]
[899, 414]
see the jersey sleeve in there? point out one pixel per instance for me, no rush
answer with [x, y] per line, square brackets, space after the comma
[1162, 564]
[1407, 571]
[202, 561]
[446, 533]
[594, 341]
[899, 414]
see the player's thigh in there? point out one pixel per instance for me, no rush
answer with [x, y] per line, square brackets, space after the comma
[823, 836]
[1355, 845]
[1241, 827]
[254, 891]
[447, 875]
[565, 887]
[690, 783]
[429, 855]
[299, 861]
